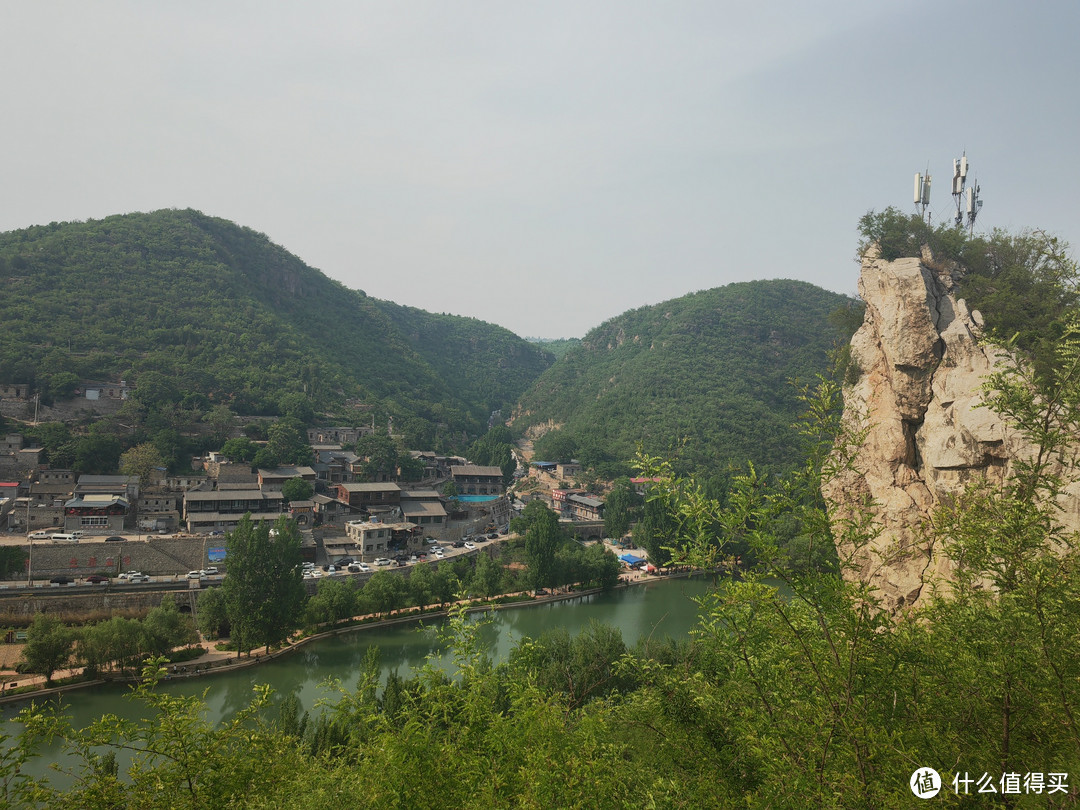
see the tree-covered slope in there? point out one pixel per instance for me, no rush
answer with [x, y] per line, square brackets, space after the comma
[481, 362]
[226, 313]
[705, 376]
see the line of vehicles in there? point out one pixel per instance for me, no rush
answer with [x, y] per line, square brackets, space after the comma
[68, 537]
[133, 577]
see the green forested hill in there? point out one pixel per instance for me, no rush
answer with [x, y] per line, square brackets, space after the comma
[705, 376]
[224, 313]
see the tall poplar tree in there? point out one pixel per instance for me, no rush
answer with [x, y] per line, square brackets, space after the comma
[264, 590]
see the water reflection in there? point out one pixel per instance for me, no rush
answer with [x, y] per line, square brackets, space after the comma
[660, 609]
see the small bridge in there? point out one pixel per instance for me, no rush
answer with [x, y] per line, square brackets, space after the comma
[584, 529]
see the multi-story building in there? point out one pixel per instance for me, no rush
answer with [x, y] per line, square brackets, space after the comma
[368, 495]
[472, 479]
[219, 510]
[374, 539]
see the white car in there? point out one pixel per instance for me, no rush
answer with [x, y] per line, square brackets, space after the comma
[383, 561]
[129, 574]
[139, 578]
[196, 575]
[210, 571]
[470, 545]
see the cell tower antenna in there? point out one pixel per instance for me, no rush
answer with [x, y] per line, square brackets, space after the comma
[966, 197]
[974, 204]
[922, 193]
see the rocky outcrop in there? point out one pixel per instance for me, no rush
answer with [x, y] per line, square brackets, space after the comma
[920, 366]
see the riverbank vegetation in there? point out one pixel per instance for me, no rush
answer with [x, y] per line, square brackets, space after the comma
[819, 698]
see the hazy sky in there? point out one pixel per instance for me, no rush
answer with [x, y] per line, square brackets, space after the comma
[544, 166]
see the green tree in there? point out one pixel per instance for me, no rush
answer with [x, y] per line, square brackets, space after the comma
[334, 601]
[380, 454]
[298, 407]
[97, 455]
[165, 627]
[49, 646]
[264, 590]
[212, 612]
[487, 576]
[287, 442]
[141, 460]
[421, 585]
[297, 489]
[542, 540]
[384, 592]
[221, 421]
[619, 507]
[241, 449]
[556, 445]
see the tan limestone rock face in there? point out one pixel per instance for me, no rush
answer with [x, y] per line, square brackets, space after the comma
[919, 390]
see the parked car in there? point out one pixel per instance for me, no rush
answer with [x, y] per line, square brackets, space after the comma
[94, 579]
[61, 580]
[383, 561]
[196, 575]
[129, 574]
[39, 535]
[493, 536]
[470, 545]
[210, 571]
[345, 561]
[139, 578]
[363, 568]
[115, 538]
[458, 543]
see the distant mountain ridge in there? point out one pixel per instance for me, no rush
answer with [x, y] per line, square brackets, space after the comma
[222, 311]
[705, 377]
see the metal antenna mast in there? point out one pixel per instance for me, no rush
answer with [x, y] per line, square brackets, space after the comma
[922, 193]
[967, 199]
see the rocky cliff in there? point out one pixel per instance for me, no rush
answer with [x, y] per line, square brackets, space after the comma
[920, 365]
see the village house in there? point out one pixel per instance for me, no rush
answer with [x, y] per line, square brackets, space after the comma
[274, 480]
[14, 391]
[103, 390]
[472, 479]
[303, 512]
[568, 470]
[329, 511]
[424, 508]
[52, 487]
[124, 486]
[374, 538]
[159, 508]
[221, 509]
[365, 496]
[96, 513]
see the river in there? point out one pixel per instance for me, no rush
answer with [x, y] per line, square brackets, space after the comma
[657, 609]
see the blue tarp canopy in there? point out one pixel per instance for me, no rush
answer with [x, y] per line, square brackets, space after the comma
[630, 559]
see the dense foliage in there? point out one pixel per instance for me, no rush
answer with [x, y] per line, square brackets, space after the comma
[186, 305]
[264, 591]
[808, 697]
[704, 377]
